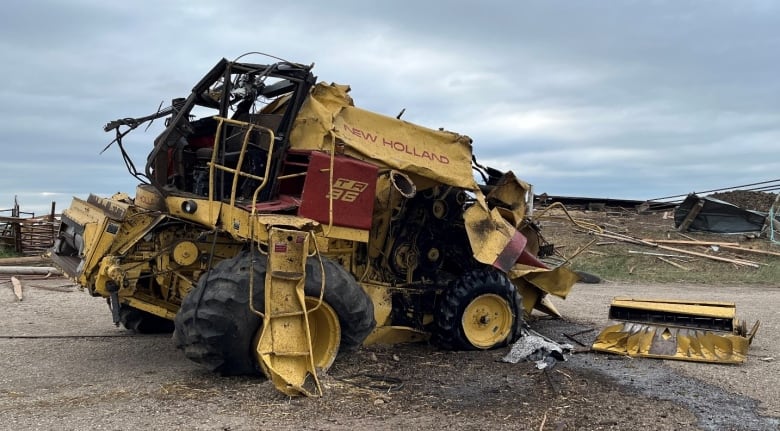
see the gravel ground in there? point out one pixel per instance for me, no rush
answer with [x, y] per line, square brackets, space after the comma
[65, 366]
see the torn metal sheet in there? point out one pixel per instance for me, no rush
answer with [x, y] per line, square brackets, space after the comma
[708, 214]
[533, 346]
[703, 331]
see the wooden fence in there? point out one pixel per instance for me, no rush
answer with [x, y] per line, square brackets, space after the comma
[26, 234]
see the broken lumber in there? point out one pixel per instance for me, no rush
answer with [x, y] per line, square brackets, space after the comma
[29, 270]
[691, 242]
[750, 250]
[686, 236]
[648, 253]
[727, 245]
[709, 256]
[675, 264]
[17, 286]
[691, 216]
[9, 261]
[638, 241]
[624, 238]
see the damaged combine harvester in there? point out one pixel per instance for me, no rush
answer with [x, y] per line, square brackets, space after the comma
[278, 225]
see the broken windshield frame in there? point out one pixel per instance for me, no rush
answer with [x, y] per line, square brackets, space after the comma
[239, 91]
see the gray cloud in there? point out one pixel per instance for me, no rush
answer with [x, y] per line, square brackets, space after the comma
[619, 99]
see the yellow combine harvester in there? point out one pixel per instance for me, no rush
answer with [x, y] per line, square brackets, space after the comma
[278, 225]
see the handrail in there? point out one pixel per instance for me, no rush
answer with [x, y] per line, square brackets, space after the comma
[237, 172]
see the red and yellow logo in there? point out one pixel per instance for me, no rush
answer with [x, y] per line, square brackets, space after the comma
[346, 190]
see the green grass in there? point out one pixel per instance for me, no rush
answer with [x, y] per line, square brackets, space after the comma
[5, 252]
[620, 265]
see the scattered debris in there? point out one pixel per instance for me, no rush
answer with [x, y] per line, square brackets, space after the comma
[17, 286]
[533, 346]
[703, 331]
[648, 253]
[659, 245]
[572, 336]
[708, 214]
[751, 250]
[691, 242]
[710, 256]
[674, 264]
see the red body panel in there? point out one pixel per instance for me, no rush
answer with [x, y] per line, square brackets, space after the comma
[354, 189]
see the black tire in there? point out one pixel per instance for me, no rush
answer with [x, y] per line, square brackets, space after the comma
[350, 302]
[214, 325]
[588, 278]
[216, 328]
[143, 322]
[448, 329]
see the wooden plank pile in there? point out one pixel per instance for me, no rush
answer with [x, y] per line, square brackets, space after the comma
[31, 235]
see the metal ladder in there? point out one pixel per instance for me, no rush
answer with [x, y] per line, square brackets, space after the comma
[285, 346]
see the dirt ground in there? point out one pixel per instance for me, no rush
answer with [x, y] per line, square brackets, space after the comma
[65, 366]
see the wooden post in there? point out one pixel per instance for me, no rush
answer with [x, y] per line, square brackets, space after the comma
[17, 286]
[691, 215]
[29, 270]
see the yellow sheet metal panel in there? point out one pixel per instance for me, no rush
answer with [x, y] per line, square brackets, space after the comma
[328, 116]
[557, 281]
[488, 232]
[135, 227]
[700, 308]
[652, 341]
[515, 193]
[677, 301]
[206, 212]
[440, 155]
[382, 301]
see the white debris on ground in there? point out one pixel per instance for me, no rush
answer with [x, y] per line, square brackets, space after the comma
[533, 346]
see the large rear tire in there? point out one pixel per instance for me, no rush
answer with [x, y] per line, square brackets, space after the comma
[216, 328]
[481, 310]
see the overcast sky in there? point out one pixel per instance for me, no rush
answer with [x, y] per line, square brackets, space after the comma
[620, 99]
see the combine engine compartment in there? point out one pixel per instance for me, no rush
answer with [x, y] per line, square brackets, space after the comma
[427, 238]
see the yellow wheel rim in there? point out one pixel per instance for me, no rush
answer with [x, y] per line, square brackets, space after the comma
[487, 321]
[325, 332]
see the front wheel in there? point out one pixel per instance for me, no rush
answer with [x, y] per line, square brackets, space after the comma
[480, 310]
[215, 326]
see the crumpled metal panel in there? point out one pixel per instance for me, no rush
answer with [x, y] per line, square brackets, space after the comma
[328, 118]
[698, 331]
